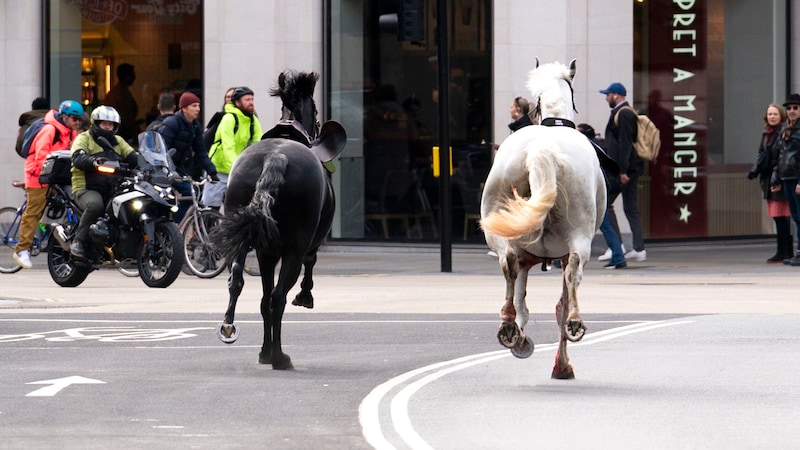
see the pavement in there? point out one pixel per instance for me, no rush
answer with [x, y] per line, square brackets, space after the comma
[729, 276]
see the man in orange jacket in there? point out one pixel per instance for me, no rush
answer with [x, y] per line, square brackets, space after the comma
[57, 134]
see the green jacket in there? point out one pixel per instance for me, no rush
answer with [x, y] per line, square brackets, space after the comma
[85, 142]
[227, 145]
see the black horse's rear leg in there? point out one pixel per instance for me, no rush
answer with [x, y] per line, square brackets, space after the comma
[272, 313]
[227, 331]
[304, 297]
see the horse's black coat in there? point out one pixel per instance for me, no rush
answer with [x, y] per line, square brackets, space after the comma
[279, 201]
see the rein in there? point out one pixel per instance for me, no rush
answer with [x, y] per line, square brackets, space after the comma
[537, 111]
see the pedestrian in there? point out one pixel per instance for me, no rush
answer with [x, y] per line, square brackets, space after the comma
[166, 108]
[613, 241]
[58, 133]
[619, 138]
[90, 189]
[519, 114]
[121, 98]
[235, 132]
[183, 132]
[787, 173]
[767, 160]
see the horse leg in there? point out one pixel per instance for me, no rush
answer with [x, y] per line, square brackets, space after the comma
[227, 331]
[509, 332]
[572, 277]
[304, 297]
[266, 265]
[272, 312]
[568, 317]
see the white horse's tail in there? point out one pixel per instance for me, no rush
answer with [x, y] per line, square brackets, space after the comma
[520, 216]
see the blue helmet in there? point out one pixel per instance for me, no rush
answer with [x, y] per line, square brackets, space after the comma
[70, 108]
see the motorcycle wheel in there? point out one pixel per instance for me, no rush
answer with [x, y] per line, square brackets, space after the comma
[63, 270]
[160, 269]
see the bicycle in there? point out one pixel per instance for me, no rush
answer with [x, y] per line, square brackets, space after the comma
[201, 259]
[10, 219]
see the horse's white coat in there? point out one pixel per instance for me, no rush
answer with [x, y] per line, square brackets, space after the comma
[545, 198]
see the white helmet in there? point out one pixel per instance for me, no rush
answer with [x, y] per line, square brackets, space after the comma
[105, 114]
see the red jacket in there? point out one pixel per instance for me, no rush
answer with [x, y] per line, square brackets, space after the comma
[43, 145]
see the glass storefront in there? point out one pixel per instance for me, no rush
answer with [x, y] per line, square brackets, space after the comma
[88, 41]
[384, 91]
[704, 72]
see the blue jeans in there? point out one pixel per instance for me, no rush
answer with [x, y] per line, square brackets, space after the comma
[794, 204]
[185, 188]
[612, 239]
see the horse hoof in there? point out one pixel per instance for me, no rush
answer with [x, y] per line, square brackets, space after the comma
[523, 349]
[304, 299]
[508, 334]
[575, 330]
[227, 333]
[284, 363]
[563, 374]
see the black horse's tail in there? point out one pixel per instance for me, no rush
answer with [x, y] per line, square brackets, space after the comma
[238, 230]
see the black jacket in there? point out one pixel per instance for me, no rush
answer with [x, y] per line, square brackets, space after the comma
[186, 138]
[523, 121]
[619, 140]
[789, 162]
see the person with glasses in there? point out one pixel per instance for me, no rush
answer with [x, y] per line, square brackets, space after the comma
[59, 130]
[787, 173]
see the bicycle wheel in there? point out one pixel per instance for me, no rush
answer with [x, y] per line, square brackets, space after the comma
[251, 264]
[201, 258]
[9, 231]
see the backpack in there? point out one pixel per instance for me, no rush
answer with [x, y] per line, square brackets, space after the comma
[30, 133]
[211, 129]
[648, 136]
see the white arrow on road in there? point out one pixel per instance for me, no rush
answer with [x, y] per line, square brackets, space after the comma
[58, 384]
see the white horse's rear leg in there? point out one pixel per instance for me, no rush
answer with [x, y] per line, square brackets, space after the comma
[568, 316]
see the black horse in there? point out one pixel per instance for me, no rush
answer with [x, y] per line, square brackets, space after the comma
[280, 202]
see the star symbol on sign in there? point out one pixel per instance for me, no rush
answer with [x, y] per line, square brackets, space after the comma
[685, 213]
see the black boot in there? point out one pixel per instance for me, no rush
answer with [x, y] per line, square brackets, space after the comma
[780, 254]
[788, 245]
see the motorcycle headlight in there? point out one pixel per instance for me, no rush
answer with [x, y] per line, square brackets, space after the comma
[137, 205]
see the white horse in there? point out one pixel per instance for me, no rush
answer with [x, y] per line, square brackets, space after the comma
[544, 199]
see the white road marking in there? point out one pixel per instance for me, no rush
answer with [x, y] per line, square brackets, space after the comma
[369, 410]
[58, 384]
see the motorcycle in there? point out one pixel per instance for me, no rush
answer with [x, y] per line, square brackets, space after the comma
[136, 227]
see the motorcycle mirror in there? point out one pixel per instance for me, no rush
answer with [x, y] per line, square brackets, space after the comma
[104, 143]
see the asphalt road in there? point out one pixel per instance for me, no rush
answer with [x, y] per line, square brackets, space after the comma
[694, 348]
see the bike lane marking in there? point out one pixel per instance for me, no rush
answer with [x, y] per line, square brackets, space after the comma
[369, 410]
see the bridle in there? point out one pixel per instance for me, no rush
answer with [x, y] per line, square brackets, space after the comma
[287, 114]
[537, 109]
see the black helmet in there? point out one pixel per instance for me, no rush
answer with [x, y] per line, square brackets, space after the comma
[240, 92]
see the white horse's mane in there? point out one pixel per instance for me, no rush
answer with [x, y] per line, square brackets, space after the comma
[547, 93]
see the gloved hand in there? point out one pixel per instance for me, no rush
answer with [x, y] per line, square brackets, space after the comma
[752, 174]
[98, 161]
[213, 177]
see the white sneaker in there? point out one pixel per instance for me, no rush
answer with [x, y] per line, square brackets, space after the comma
[23, 258]
[607, 255]
[633, 255]
[492, 254]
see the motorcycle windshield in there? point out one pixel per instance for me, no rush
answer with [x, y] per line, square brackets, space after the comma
[154, 158]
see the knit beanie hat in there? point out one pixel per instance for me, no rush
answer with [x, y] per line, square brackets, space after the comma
[187, 98]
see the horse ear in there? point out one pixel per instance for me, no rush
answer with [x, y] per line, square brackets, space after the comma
[572, 69]
[536, 58]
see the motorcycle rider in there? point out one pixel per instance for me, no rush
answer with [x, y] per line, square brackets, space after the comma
[92, 190]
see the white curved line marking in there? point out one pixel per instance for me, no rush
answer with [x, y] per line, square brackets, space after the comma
[369, 410]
